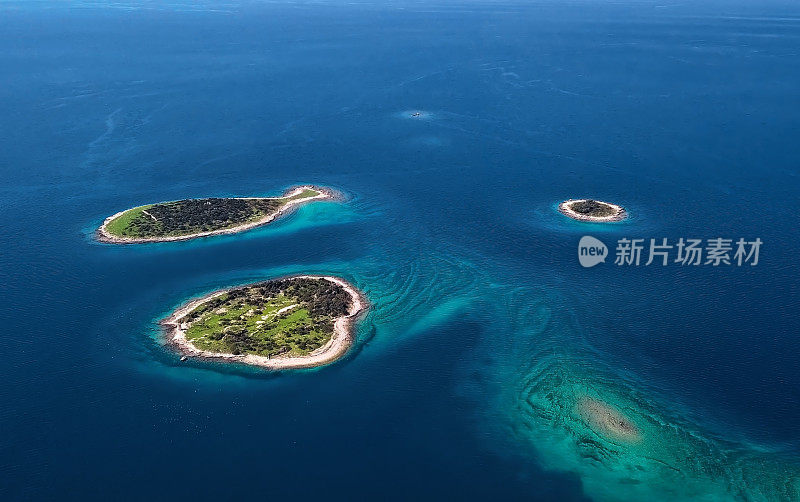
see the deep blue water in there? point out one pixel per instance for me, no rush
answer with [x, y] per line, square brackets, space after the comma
[483, 326]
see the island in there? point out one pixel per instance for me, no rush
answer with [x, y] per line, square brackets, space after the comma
[193, 218]
[606, 420]
[592, 210]
[287, 323]
[415, 114]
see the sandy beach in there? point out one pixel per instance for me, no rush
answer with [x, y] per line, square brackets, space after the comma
[338, 345]
[103, 235]
[565, 209]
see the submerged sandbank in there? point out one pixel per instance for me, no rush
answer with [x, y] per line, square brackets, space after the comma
[607, 420]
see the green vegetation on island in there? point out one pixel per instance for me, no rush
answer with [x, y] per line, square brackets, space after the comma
[594, 208]
[182, 218]
[288, 317]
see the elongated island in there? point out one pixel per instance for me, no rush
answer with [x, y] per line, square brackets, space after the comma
[192, 218]
[592, 210]
[288, 323]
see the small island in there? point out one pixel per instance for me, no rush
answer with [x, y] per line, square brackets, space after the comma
[592, 210]
[415, 114]
[192, 218]
[288, 323]
[604, 419]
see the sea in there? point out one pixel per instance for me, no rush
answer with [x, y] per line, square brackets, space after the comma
[453, 129]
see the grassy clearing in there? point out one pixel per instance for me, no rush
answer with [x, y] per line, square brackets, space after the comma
[286, 317]
[121, 223]
[302, 195]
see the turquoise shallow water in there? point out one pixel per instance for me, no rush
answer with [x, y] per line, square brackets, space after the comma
[484, 332]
